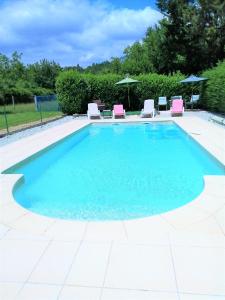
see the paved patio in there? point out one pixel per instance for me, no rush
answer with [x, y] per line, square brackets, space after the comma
[176, 255]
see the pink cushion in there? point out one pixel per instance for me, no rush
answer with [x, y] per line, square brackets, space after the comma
[177, 105]
[118, 109]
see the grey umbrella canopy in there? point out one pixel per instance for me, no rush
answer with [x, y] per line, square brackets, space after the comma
[127, 81]
[193, 79]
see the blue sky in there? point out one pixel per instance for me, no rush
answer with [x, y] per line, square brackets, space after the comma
[73, 31]
[132, 4]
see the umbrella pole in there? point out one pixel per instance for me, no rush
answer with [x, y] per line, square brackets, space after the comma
[128, 95]
[192, 91]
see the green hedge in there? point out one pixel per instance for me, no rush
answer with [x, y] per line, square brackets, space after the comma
[73, 90]
[214, 93]
[76, 90]
[153, 86]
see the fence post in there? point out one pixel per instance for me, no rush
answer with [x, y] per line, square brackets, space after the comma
[35, 102]
[13, 102]
[6, 121]
[40, 110]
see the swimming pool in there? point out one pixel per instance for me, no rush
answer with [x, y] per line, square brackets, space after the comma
[115, 171]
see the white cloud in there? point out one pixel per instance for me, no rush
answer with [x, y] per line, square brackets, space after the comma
[70, 31]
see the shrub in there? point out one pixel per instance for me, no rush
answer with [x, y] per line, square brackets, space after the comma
[153, 86]
[214, 92]
[76, 90]
[72, 91]
[103, 87]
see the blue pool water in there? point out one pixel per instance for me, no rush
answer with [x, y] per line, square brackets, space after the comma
[115, 172]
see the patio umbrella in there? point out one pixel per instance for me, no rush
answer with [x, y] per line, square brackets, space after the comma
[127, 82]
[193, 79]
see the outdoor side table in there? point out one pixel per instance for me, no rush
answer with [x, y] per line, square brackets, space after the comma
[107, 113]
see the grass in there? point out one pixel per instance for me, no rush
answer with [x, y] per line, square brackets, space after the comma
[131, 113]
[128, 113]
[23, 114]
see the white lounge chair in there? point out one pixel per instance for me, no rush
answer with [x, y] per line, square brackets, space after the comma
[93, 111]
[148, 110]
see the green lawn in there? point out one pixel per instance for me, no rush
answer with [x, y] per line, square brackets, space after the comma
[26, 113]
[131, 113]
[23, 114]
[128, 113]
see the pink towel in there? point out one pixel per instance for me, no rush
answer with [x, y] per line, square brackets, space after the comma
[177, 105]
[118, 109]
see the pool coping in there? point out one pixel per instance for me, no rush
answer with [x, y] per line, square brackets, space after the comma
[205, 206]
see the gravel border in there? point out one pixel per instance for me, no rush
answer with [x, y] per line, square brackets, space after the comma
[30, 131]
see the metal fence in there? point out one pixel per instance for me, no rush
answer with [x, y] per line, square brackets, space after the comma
[15, 116]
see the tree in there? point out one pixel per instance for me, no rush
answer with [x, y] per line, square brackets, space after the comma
[136, 60]
[155, 54]
[115, 65]
[17, 68]
[194, 38]
[44, 73]
[19, 82]
[189, 39]
[11, 70]
[101, 68]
